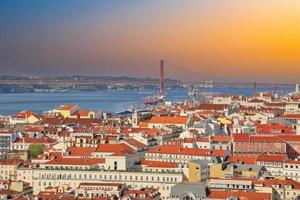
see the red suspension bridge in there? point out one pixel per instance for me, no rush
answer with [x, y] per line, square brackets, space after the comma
[204, 80]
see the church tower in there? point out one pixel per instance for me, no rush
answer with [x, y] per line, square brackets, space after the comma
[135, 119]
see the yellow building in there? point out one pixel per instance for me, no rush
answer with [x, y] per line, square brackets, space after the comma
[216, 170]
[198, 171]
[224, 120]
[8, 169]
[24, 117]
[84, 114]
[223, 170]
[67, 110]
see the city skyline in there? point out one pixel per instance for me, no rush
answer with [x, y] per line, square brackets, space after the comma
[229, 40]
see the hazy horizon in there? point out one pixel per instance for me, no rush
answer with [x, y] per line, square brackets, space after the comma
[220, 40]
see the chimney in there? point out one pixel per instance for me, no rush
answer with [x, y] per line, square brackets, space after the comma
[298, 129]
[161, 92]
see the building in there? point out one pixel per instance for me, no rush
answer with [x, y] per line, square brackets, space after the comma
[281, 189]
[186, 190]
[273, 163]
[176, 153]
[22, 143]
[84, 114]
[291, 169]
[253, 145]
[44, 177]
[104, 190]
[229, 170]
[66, 110]
[240, 194]
[8, 169]
[274, 129]
[160, 122]
[198, 171]
[24, 117]
[6, 140]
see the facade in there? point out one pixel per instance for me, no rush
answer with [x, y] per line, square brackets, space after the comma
[43, 178]
[183, 153]
[94, 190]
[273, 163]
[8, 169]
[253, 145]
[160, 122]
[66, 110]
[176, 153]
[84, 114]
[186, 190]
[198, 171]
[291, 170]
[6, 140]
[24, 117]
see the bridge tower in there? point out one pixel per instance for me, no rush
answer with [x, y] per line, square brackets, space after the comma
[254, 89]
[297, 88]
[161, 83]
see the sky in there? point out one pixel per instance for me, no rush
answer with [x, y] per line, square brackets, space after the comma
[248, 40]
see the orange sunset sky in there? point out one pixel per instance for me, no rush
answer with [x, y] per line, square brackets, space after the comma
[222, 40]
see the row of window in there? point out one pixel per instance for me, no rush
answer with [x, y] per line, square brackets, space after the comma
[291, 166]
[109, 177]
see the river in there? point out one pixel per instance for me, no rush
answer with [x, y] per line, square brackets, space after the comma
[112, 101]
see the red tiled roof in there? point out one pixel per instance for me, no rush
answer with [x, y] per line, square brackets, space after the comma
[35, 129]
[255, 100]
[117, 149]
[244, 137]
[290, 138]
[24, 114]
[67, 107]
[211, 107]
[82, 122]
[245, 195]
[64, 133]
[54, 121]
[221, 138]
[274, 128]
[135, 143]
[37, 140]
[237, 159]
[159, 164]
[185, 140]
[294, 161]
[276, 104]
[147, 193]
[290, 116]
[143, 124]
[82, 113]
[76, 161]
[100, 184]
[169, 120]
[177, 149]
[272, 157]
[281, 182]
[9, 162]
[81, 151]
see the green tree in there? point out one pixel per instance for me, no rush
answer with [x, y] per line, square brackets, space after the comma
[36, 149]
[146, 117]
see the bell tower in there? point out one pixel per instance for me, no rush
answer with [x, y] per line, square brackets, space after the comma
[135, 119]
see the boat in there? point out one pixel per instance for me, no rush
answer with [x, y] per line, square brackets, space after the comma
[153, 100]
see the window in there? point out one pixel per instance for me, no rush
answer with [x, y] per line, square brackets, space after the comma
[115, 165]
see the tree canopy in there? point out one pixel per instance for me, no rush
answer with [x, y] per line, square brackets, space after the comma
[36, 149]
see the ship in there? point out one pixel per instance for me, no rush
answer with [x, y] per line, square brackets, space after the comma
[151, 101]
[157, 99]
